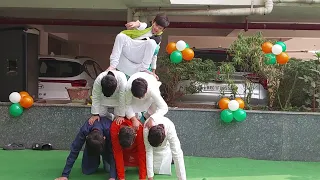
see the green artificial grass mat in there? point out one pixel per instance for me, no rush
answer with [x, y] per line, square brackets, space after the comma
[47, 165]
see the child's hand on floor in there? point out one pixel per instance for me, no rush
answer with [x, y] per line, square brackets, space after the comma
[61, 178]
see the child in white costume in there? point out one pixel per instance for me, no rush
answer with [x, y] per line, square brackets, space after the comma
[109, 91]
[143, 94]
[134, 49]
[162, 144]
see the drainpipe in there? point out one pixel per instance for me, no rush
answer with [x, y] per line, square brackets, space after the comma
[212, 12]
[197, 25]
[246, 25]
[66, 22]
[297, 1]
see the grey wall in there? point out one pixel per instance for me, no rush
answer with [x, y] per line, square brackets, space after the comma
[264, 135]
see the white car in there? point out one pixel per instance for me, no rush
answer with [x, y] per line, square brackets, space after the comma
[211, 91]
[60, 72]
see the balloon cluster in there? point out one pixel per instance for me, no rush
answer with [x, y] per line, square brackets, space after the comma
[275, 53]
[178, 51]
[232, 110]
[20, 101]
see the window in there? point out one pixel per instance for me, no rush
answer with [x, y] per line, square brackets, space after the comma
[98, 68]
[217, 56]
[89, 69]
[56, 68]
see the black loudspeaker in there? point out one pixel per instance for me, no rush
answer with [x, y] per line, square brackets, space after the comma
[19, 67]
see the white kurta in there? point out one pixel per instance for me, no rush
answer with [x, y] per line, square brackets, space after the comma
[159, 158]
[151, 102]
[100, 103]
[133, 55]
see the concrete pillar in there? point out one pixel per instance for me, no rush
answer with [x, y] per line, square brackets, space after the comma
[129, 15]
[43, 38]
[43, 42]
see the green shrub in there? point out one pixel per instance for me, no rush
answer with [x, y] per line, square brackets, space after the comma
[170, 75]
[290, 93]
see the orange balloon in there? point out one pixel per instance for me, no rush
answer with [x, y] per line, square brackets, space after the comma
[282, 58]
[171, 47]
[26, 101]
[187, 54]
[223, 103]
[23, 94]
[267, 47]
[241, 102]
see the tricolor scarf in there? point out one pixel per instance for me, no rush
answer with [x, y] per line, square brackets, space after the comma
[135, 33]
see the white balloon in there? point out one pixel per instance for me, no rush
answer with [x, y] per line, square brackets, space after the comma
[181, 45]
[14, 97]
[276, 49]
[233, 105]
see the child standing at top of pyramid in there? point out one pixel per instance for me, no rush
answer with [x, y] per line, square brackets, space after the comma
[134, 50]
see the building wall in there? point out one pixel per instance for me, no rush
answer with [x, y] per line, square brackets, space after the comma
[264, 135]
[99, 52]
[99, 45]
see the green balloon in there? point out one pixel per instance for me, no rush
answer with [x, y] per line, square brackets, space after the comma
[283, 45]
[15, 110]
[240, 115]
[270, 59]
[187, 45]
[176, 57]
[226, 115]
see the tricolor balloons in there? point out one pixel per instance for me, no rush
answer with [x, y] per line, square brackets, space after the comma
[179, 51]
[275, 53]
[19, 102]
[232, 109]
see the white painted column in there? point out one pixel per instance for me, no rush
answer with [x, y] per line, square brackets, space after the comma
[43, 38]
[129, 15]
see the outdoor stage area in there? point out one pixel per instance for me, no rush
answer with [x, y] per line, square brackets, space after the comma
[266, 146]
[47, 165]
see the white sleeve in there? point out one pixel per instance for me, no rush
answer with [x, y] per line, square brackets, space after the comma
[154, 62]
[96, 96]
[122, 94]
[149, 153]
[142, 26]
[177, 153]
[129, 111]
[162, 107]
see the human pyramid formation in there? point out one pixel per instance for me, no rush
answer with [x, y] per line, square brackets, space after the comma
[137, 134]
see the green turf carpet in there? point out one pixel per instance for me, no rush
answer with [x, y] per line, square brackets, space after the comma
[47, 165]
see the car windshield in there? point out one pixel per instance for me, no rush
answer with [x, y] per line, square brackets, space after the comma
[217, 56]
[55, 68]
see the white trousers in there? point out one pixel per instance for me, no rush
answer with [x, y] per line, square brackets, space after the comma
[162, 158]
[130, 56]
[105, 113]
